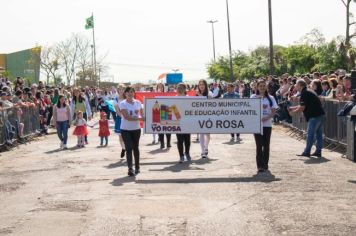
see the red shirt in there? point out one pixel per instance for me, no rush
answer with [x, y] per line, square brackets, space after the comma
[104, 128]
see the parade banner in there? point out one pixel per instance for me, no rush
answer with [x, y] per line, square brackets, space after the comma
[203, 116]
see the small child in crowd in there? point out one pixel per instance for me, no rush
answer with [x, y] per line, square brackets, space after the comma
[104, 131]
[80, 128]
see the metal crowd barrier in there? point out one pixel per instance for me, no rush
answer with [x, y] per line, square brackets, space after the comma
[335, 128]
[18, 122]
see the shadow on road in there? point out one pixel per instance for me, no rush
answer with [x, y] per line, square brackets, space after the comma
[263, 178]
[159, 150]
[319, 160]
[123, 180]
[352, 181]
[232, 143]
[196, 162]
[54, 151]
[178, 167]
[122, 162]
[61, 150]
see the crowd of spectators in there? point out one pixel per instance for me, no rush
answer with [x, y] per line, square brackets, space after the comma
[40, 97]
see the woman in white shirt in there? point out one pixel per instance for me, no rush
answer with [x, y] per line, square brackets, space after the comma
[263, 141]
[132, 113]
[204, 139]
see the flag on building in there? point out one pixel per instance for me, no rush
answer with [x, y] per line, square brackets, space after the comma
[89, 23]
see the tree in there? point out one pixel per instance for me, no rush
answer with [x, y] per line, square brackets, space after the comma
[349, 17]
[300, 58]
[84, 59]
[68, 51]
[50, 64]
[348, 35]
[314, 38]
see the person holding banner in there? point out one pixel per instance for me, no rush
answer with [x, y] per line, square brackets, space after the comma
[232, 94]
[204, 139]
[263, 140]
[132, 113]
[183, 138]
[160, 89]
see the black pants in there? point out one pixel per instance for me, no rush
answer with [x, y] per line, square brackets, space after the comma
[262, 148]
[131, 139]
[237, 135]
[161, 139]
[183, 138]
[49, 115]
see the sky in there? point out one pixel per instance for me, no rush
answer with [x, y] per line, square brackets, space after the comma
[145, 38]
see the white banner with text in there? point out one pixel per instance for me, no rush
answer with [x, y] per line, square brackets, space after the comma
[204, 116]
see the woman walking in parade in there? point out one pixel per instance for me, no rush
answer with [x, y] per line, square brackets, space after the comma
[62, 120]
[183, 138]
[263, 140]
[132, 113]
[204, 139]
[120, 97]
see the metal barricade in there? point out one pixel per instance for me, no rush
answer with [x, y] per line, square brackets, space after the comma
[335, 128]
[18, 122]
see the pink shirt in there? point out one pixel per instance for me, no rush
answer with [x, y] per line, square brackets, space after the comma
[62, 114]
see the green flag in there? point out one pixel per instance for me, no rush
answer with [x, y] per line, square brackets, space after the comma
[90, 23]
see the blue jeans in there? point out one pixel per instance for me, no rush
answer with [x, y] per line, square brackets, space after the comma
[315, 128]
[62, 130]
[102, 140]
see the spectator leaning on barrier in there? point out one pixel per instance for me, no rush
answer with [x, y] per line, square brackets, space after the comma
[347, 89]
[316, 86]
[5, 102]
[326, 88]
[311, 106]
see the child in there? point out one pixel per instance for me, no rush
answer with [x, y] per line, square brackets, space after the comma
[80, 128]
[104, 131]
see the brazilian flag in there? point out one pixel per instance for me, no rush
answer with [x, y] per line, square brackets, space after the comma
[89, 23]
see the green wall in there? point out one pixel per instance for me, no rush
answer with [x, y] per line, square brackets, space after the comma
[24, 64]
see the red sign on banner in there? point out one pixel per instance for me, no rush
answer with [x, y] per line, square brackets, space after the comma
[142, 95]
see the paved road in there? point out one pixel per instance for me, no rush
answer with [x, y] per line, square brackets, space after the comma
[44, 191]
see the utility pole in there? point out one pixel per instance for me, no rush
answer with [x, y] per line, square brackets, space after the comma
[212, 27]
[228, 28]
[94, 51]
[271, 53]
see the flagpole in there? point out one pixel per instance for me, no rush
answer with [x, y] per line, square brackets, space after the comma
[92, 15]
